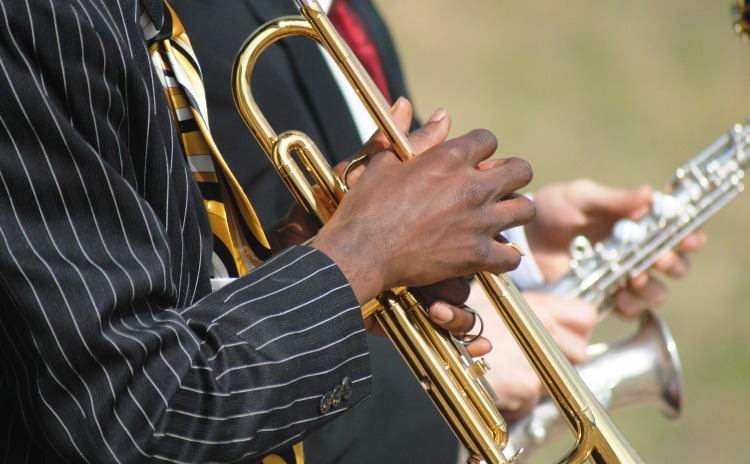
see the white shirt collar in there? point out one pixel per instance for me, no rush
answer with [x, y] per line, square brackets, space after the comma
[325, 4]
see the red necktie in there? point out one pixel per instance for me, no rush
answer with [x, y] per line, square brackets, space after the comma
[350, 27]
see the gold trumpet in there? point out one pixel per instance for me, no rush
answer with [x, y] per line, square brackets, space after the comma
[453, 380]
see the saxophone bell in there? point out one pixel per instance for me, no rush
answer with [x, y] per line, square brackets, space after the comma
[642, 369]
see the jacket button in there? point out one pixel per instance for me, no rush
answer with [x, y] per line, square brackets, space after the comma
[338, 394]
[346, 385]
[326, 402]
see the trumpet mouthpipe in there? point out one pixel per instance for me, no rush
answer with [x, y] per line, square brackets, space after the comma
[359, 79]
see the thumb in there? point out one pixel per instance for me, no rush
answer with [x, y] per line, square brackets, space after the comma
[402, 113]
[620, 202]
[433, 132]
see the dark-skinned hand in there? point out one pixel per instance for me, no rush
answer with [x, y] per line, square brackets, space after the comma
[443, 298]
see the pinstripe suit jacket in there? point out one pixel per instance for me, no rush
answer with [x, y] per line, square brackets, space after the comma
[112, 348]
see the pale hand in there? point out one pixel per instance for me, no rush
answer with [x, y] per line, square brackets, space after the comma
[584, 207]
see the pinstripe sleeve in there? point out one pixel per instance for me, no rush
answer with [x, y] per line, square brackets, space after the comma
[112, 348]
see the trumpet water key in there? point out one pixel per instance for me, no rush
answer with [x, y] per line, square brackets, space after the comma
[645, 368]
[453, 381]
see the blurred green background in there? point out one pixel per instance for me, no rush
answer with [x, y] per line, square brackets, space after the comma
[623, 93]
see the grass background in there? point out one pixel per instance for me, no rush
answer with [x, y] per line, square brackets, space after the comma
[623, 93]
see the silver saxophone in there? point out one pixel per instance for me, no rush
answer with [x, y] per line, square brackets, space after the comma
[645, 368]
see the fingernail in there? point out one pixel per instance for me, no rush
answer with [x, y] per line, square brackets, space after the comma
[517, 248]
[437, 115]
[397, 103]
[440, 313]
[501, 239]
[689, 242]
[639, 281]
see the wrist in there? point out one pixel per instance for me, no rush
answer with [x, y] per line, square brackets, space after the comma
[359, 264]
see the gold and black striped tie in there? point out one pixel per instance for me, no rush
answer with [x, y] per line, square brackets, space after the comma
[239, 241]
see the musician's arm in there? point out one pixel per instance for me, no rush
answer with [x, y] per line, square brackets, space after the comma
[105, 246]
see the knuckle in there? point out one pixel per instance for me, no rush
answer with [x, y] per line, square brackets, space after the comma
[453, 154]
[420, 137]
[583, 184]
[509, 262]
[480, 252]
[589, 317]
[530, 384]
[516, 210]
[581, 350]
[577, 355]
[486, 222]
[484, 137]
[511, 404]
[474, 192]
[526, 210]
[521, 169]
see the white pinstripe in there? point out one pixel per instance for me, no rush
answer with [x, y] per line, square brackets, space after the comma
[297, 355]
[271, 295]
[289, 311]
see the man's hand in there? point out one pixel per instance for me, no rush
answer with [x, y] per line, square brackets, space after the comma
[443, 299]
[584, 207]
[297, 226]
[443, 302]
[431, 218]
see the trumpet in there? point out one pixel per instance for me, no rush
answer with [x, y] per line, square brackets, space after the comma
[452, 379]
[698, 190]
